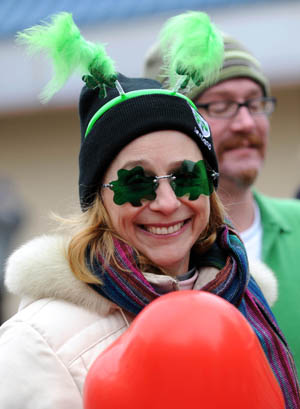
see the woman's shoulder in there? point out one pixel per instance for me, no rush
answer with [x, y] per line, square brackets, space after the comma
[64, 327]
[39, 269]
[288, 207]
[30, 269]
[57, 308]
[48, 348]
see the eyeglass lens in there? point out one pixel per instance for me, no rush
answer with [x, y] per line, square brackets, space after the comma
[134, 185]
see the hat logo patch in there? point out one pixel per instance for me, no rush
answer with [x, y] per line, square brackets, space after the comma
[204, 140]
[202, 124]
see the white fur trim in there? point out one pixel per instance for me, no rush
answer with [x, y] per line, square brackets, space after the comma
[39, 269]
[265, 278]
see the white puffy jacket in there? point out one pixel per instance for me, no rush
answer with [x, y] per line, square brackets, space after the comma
[61, 327]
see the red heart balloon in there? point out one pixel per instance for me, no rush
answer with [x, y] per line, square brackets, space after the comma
[185, 350]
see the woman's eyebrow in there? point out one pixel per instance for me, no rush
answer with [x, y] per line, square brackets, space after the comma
[133, 163]
[176, 164]
[147, 165]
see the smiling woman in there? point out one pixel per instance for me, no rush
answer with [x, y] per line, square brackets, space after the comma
[151, 223]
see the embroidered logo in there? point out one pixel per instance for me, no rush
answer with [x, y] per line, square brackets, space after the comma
[202, 124]
[204, 140]
[202, 129]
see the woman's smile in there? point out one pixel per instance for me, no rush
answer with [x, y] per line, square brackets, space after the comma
[160, 229]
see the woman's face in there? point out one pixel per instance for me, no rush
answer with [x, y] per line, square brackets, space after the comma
[164, 229]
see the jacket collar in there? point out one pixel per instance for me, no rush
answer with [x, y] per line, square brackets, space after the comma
[270, 216]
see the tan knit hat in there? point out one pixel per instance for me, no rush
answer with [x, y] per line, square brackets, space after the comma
[238, 62]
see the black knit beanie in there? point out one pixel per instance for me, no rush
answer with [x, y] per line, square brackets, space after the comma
[109, 124]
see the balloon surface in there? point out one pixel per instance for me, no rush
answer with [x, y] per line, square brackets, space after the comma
[185, 350]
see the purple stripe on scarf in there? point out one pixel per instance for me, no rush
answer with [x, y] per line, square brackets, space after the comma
[131, 267]
[279, 357]
[124, 287]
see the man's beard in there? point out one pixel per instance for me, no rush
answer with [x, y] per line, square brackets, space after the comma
[246, 177]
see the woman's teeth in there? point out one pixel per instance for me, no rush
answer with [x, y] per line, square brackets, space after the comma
[165, 230]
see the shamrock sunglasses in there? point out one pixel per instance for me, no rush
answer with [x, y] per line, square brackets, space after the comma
[134, 185]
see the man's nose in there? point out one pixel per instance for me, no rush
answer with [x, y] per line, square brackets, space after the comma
[243, 120]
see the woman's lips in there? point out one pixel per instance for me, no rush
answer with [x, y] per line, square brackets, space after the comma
[163, 230]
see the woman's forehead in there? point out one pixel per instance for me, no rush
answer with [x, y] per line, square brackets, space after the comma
[159, 147]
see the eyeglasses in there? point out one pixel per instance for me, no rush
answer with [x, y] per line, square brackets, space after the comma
[134, 185]
[228, 109]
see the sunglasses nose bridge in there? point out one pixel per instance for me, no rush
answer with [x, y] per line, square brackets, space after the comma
[166, 200]
[158, 178]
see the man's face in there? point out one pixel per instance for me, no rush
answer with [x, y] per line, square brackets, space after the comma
[240, 142]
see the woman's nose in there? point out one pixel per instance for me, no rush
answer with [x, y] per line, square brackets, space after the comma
[166, 201]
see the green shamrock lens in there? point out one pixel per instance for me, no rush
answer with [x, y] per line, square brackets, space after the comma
[132, 186]
[192, 180]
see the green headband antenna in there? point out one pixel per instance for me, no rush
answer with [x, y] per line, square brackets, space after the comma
[191, 47]
[69, 52]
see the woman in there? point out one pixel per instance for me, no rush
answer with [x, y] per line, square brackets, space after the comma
[152, 223]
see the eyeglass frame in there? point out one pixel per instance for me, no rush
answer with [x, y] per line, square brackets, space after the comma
[155, 180]
[238, 105]
[195, 169]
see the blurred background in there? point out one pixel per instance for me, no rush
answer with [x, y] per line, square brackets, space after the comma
[40, 143]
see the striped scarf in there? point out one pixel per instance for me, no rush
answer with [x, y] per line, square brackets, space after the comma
[131, 291]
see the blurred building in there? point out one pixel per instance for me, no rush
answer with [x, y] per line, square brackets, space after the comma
[39, 143]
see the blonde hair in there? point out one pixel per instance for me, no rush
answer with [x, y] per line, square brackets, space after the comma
[94, 232]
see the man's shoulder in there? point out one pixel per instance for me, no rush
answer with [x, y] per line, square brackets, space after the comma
[285, 205]
[281, 211]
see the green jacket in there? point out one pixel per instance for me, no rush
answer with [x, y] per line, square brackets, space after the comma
[281, 252]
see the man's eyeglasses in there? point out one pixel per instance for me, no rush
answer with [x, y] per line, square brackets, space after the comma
[228, 109]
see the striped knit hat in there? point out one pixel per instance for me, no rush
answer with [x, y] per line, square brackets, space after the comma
[238, 62]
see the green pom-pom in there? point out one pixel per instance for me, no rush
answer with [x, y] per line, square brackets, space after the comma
[69, 52]
[192, 46]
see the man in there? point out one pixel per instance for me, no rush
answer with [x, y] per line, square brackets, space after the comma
[237, 108]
